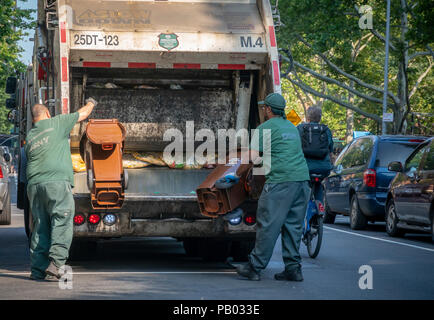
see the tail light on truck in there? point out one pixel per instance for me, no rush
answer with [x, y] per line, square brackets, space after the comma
[370, 178]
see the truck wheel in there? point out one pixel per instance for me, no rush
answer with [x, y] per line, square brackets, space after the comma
[215, 250]
[82, 250]
[358, 220]
[240, 250]
[392, 221]
[192, 246]
[5, 216]
[329, 216]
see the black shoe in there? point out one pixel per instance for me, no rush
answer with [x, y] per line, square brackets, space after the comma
[52, 270]
[248, 272]
[47, 278]
[290, 275]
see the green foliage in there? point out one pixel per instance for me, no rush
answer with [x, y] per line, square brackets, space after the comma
[332, 28]
[12, 23]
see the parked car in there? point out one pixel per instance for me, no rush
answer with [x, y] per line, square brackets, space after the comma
[359, 182]
[410, 201]
[5, 197]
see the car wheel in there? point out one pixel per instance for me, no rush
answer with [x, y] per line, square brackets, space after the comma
[392, 221]
[5, 216]
[329, 216]
[357, 219]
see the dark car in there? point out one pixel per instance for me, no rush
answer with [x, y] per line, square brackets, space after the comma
[359, 182]
[410, 202]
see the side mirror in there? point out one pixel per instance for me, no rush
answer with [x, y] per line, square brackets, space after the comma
[11, 103]
[395, 166]
[11, 85]
[7, 157]
[337, 168]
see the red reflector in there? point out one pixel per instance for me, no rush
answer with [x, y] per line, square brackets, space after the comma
[140, 65]
[316, 179]
[79, 219]
[1, 173]
[91, 64]
[249, 220]
[94, 218]
[223, 66]
[107, 146]
[370, 178]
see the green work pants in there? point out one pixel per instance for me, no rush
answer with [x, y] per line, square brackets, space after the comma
[52, 207]
[281, 209]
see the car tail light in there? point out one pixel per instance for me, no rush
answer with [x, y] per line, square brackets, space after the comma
[321, 207]
[370, 178]
[79, 219]
[1, 173]
[94, 218]
[416, 140]
[249, 220]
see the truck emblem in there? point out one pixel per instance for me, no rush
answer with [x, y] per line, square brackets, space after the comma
[168, 41]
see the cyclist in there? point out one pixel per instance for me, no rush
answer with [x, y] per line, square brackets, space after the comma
[317, 143]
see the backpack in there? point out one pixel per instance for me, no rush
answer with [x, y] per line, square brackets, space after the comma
[314, 140]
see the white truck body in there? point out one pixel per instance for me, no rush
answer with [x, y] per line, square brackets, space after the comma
[223, 57]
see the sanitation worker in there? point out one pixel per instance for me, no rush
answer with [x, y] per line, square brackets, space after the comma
[282, 204]
[49, 183]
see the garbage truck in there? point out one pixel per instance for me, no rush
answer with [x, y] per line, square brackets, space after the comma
[153, 66]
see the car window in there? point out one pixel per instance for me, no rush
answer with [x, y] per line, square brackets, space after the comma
[341, 155]
[389, 151]
[412, 163]
[358, 154]
[429, 160]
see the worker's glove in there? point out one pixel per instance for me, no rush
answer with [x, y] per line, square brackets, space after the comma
[91, 100]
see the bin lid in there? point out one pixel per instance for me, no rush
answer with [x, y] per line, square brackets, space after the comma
[106, 131]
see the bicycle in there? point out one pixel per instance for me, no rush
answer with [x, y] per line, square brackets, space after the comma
[313, 221]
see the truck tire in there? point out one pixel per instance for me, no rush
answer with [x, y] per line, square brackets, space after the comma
[81, 250]
[192, 247]
[241, 249]
[5, 216]
[358, 220]
[215, 250]
[329, 216]
[392, 221]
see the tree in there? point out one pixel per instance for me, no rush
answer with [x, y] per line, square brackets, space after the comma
[13, 22]
[330, 57]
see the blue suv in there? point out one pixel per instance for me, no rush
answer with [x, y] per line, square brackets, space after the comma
[359, 182]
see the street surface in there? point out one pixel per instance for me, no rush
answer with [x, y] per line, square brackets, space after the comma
[157, 268]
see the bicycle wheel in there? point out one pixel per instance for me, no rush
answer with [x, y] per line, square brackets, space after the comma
[314, 237]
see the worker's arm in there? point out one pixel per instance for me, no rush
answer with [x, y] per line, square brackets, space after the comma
[85, 111]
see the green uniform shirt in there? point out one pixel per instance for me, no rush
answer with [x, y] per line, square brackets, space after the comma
[283, 158]
[48, 151]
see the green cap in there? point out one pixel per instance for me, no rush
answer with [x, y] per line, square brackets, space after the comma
[275, 101]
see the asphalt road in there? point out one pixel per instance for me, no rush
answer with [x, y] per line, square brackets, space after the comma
[157, 268]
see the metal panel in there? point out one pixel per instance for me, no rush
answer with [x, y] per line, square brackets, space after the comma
[147, 114]
[165, 17]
